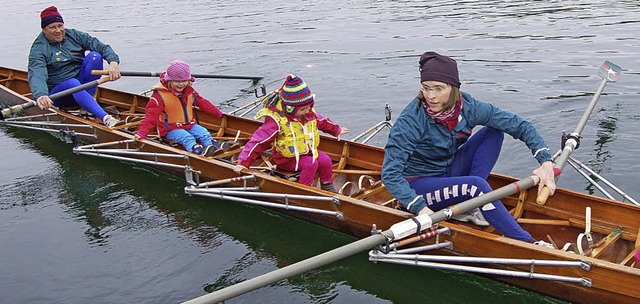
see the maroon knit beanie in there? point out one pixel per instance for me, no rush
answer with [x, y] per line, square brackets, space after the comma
[50, 15]
[436, 67]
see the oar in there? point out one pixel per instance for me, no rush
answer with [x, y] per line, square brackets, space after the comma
[21, 107]
[397, 231]
[609, 72]
[154, 74]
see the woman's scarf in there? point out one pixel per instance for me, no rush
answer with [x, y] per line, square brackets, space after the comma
[447, 115]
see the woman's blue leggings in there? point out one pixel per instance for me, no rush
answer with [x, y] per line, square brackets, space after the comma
[93, 61]
[467, 178]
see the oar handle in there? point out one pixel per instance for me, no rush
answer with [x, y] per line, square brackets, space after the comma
[155, 74]
[79, 88]
[125, 73]
[545, 192]
[99, 72]
[543, 196]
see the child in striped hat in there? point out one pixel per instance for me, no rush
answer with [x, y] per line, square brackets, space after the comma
[291, 122]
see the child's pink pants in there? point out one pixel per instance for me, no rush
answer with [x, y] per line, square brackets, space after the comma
[308, 167]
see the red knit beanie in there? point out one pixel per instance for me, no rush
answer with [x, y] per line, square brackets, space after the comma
[50, 15]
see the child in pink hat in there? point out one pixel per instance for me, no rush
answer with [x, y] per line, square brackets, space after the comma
[291, 122]
[172, 111]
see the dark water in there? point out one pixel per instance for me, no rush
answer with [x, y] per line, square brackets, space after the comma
[76, 229]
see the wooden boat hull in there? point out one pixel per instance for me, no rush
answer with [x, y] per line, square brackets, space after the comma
[563, 216]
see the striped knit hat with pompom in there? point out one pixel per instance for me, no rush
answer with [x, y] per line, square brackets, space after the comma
[294, 94]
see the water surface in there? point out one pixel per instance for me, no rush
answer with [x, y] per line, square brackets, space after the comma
[77, 229]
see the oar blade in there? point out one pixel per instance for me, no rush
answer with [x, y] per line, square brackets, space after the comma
[609, 71]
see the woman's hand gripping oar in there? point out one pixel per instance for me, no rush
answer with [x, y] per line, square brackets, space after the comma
[609, 72]
[547, 173]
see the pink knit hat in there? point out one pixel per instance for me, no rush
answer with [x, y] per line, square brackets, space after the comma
[178, 70]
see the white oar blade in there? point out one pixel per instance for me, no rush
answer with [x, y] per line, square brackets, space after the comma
[610, 71]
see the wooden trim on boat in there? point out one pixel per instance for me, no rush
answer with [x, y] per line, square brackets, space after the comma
[563, 216]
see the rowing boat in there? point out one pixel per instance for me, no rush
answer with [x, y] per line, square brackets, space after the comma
[599, 236]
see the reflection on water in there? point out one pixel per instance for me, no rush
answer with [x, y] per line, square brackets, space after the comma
[606, 135]
[137, 225]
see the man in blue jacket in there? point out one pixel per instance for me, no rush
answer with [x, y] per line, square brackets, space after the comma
[57, 62]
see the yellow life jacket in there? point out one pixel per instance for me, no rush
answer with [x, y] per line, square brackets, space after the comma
[175, 112]
[294, 138]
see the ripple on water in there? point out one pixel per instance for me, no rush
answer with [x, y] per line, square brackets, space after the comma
[537, 58]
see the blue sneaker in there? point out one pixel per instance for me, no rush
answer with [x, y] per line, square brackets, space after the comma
[208, 151]
[197, 149]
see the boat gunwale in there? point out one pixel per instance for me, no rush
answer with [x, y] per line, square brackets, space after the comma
[397, 215]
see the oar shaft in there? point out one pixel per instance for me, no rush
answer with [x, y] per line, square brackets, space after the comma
[21, 107]
[397, 231]
[79, 88]
[571, 144]
[491, 196]
[406, 228]
[155, 74]
[291, 270]
[226, 76]
[609, 72]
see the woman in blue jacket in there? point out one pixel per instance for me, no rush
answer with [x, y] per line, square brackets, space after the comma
[432, 161]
